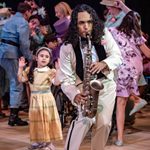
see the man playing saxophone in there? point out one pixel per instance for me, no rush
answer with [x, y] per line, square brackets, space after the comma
[105, 59]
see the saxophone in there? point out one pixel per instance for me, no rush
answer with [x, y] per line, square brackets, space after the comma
[91, 87]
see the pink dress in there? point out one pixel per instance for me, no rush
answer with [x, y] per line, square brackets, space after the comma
[132, 67]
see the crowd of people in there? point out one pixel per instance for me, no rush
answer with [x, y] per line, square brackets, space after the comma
[82, 48]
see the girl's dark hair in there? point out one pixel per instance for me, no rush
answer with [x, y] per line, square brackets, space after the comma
[50, 38]
[34, 64]
[72, 35]
[23, 7]
[131, 24]
[35, 17]
[43, 21]
[30, 74]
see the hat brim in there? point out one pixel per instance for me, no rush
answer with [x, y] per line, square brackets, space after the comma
[5, 11]
[107, 3]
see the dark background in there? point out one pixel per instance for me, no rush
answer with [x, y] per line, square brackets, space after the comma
[141, 6]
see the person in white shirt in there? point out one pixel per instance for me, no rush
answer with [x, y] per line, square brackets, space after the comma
[106, 57]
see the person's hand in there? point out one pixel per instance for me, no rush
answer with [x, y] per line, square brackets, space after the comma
[59, 40]
[80, 98]
[33, 33]
[57, 64]
[32, 28]
[22, 62]
[33, 5]
[53, 74]
[97, 67]
[44, 30]
[119, 4]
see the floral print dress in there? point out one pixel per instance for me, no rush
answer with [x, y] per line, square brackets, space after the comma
[131, 68]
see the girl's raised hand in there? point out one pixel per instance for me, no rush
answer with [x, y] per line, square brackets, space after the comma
[57, 64]
[22, 62]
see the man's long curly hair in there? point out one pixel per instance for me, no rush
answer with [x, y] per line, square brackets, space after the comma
[72, 35]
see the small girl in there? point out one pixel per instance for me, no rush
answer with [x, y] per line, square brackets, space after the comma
[45, 125]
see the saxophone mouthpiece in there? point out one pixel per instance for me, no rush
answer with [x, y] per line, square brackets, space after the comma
[88, 35]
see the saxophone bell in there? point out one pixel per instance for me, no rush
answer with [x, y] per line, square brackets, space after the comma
[96, 85]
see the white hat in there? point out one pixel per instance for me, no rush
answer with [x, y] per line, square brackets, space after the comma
[109, 2]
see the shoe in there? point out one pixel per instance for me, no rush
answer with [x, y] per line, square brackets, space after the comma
[24, 108]
[5, 108]
[14, 119]
[52, 147]
[2, 115]
[136, 108]
[17, 121]
[49, 147]
[118, 143]
[33, 147]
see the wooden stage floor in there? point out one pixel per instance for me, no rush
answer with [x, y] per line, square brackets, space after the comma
[137, 137]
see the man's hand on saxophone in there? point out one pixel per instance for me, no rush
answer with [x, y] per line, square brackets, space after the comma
[97, 67]
[80, 98]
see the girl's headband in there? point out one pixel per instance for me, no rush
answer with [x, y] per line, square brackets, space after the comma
[44, 48]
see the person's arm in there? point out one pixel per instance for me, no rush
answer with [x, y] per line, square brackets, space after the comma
[67, 74]
[113, 53]
[38, 37]
[24, 42]
[140, 42]
[120, 4]
[145, 50]
[54, 78]
[114, 58]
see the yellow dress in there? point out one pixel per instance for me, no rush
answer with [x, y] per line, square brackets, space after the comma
[44, 120]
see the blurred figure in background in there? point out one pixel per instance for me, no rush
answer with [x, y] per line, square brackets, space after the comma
[52, 43]
[38, 9]
[62, 10]
[36, 36]
[15, 43]
[116, 10]
[63, 13]
[35, 7]
[5, 14]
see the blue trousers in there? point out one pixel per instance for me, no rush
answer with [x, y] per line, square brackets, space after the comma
[16, 88]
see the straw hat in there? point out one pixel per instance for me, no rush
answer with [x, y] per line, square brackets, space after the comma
[6, 12]
[109, 2]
